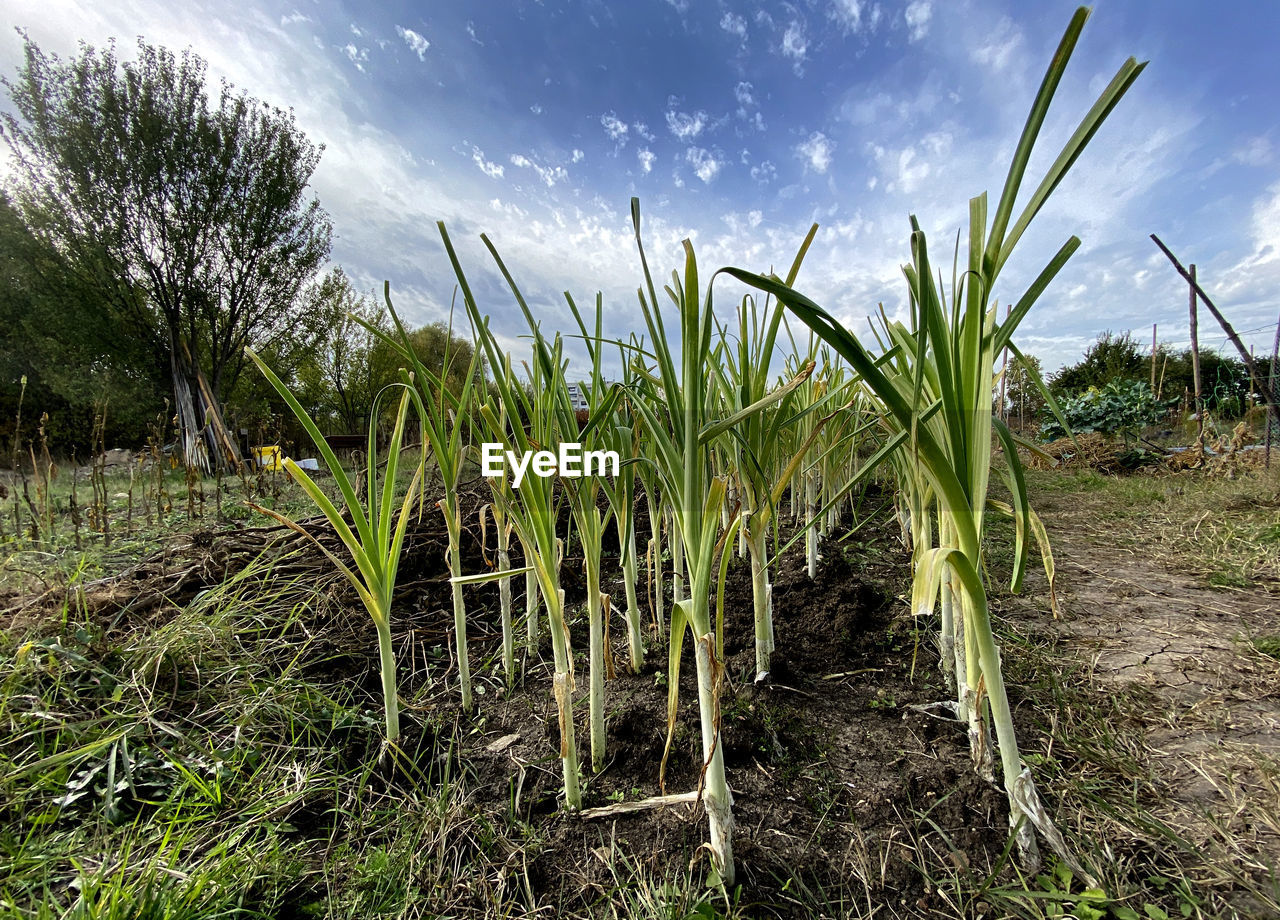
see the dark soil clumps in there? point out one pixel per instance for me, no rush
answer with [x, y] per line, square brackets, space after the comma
[842, 793]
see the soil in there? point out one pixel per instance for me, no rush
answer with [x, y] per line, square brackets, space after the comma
[839, 786]
[1205, 703]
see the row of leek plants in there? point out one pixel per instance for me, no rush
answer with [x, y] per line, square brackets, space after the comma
[940, 399]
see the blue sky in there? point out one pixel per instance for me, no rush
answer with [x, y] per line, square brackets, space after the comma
[739, 124]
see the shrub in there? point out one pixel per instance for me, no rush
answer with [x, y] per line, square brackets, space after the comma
[1122, 406]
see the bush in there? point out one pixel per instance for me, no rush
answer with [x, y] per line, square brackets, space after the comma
[1121, 406]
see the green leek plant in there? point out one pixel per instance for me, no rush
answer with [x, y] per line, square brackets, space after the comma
[444, 417]
[375, 535]
[584, 493]
[532, 421]
[753, 445]
[624, 437]
[955, 350]
[675, 413]
[676, 406]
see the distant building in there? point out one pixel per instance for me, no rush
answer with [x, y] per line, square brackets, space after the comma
[578, 397]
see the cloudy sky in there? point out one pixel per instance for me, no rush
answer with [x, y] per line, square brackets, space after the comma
[740, 124]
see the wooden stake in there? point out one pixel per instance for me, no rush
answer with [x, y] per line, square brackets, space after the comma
[1273, 423]
[1004, 373]
[1195, 360]
[1270, 396]
[1153, 359]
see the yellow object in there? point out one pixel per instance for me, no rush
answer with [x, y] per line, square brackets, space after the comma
[269, 456]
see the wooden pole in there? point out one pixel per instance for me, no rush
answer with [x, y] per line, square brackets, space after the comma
[1004, 374]
[1153, 359]
[1195, 360]
[1273, 422]
[1226, 327]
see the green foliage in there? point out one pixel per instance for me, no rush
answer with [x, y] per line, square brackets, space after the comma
[1118, 407]
[63, 338]
[1224, 381]
[110, 157]
[1111, 358]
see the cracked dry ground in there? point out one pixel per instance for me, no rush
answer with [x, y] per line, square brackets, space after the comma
[1206, 702]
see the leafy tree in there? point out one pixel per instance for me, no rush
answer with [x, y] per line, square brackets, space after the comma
[189, 219]
[443, 351]
[1023, 397]
[1111, 358]
[1224, 381]
[63, 339]
[351, 365]
[339, 379]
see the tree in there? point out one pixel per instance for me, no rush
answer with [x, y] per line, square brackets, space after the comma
[341, 377]
[442, 350]
[1112, 357]
[1023, 395]
[189, 219]
[351, 365]
[78, 361]
[1224, 381]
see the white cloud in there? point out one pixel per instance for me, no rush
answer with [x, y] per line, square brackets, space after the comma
[471, 33]
[509, 209]
[848, 13]
[765, 172]
[794, 43]
[490, 169]
[685, 126]
[745, 94]
[642, 130]
[647, 159]
[816, 152]
[754, 218]
[706, 166]
[905, 170]
[1254, 152]
[549, 175]
[615, 127]
[999, 47]
[294, 18]
[734, 24]
[917, 16]
[1266, 227]
[535, 109]
[357, 56]
[577, 155]
[417, 44]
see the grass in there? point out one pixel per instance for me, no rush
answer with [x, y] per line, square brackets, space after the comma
[1159, 854]
[1221, 530]
[217, 759]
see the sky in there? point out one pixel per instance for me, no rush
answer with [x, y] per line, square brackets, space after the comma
[738, 125]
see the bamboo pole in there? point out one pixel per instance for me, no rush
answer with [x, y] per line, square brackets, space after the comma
[1153, 359]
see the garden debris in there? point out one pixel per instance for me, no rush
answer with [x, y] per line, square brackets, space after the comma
[1086, 451]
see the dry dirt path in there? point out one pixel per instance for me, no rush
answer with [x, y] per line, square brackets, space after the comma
[1207, 701]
